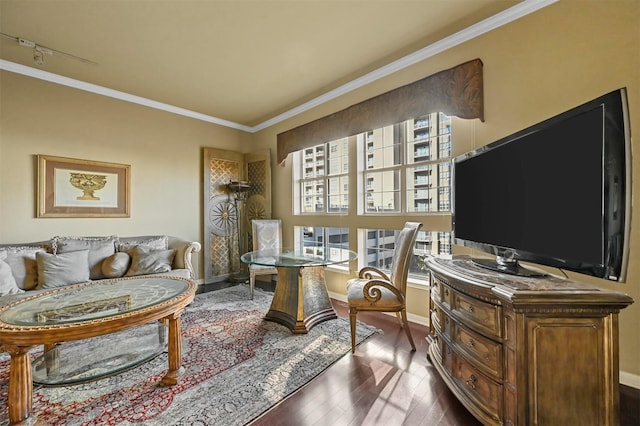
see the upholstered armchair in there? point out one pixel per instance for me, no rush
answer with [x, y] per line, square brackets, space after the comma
[266, 234]
[373, 290]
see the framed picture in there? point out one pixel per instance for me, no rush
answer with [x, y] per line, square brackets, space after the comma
[69, 187]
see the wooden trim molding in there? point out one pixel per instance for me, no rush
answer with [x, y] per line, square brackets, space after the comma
[456, 91]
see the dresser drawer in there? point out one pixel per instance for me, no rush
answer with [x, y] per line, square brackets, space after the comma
[441, 320]
[481, 316]
[436, 319]
[486, 393]
[486, 354]
[440, 292]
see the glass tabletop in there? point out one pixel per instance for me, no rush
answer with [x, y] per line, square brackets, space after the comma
[85, 302]
[298, 258]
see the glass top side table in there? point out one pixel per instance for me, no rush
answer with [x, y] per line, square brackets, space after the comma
[300, 300]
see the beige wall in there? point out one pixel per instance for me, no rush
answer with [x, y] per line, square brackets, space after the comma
[536, 67]
[164, 151]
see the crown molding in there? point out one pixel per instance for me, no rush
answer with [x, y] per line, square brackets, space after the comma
[509, 15]
[105, 91]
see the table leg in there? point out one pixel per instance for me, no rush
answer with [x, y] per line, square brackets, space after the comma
[300, 300]
[20, 387]
[175, 349]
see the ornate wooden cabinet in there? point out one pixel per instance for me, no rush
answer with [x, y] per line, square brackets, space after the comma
[525, 351]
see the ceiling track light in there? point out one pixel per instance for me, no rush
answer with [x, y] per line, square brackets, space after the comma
[39, 52]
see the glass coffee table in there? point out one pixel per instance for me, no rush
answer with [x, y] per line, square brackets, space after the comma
[151, 305]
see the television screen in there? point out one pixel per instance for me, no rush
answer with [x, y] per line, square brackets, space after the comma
[555, 193]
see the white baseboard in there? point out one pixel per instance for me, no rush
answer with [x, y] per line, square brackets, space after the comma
[629, 379]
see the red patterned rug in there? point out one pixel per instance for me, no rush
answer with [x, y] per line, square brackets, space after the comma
[237, 366]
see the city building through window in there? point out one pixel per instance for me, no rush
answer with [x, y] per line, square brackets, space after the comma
[402, 170]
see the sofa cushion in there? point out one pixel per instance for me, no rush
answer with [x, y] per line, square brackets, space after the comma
[158, 242]
[7, 281]
[99, 249]
[57, 270]
[22, 260]
[148, 261]
[116, 265]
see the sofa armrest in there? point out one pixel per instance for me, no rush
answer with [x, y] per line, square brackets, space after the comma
[184, 249]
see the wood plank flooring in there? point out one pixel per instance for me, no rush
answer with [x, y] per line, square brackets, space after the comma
[384, 383]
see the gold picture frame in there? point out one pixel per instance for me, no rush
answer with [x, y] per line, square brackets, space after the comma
[69, 187]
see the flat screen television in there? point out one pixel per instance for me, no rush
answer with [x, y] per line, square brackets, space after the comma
[557, 193]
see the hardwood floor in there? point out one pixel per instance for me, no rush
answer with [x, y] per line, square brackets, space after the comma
[384, 383]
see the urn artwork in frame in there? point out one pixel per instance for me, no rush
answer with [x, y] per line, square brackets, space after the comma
[69, 187]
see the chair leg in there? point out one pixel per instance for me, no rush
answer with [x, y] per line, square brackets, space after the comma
[399, 319]
[352, 322]
[252, 283]
[406, 329]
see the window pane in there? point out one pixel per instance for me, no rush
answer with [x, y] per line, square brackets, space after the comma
[338, 156]
[316, 193]
[314, 240]
[383, 147]
[312, 196]
[380, 245]
[382, 191]
[338, 194]
[428, 188]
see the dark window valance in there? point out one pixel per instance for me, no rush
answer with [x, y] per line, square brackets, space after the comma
[457, 91]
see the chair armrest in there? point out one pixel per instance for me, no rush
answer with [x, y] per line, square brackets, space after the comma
[368, 273]
[373, 294]
[184, 250]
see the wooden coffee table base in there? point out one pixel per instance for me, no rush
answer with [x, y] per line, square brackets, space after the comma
[20, 376]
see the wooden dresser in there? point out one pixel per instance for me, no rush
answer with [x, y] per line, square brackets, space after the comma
[525, 351]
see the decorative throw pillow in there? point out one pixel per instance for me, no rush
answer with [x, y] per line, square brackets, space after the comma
[22, 260]
[116, 265]
[99, 249]
[57, 270]
[7, 281]
[147, 261]
[158, 242]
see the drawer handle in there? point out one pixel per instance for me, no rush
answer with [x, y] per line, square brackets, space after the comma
[471, 343]
[471, 381]
[470, 309]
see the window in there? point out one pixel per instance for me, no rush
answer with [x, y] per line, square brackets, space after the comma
[405, 168]
[314, 239]
[321, 178]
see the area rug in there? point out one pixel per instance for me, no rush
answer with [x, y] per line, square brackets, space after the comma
[237, 366]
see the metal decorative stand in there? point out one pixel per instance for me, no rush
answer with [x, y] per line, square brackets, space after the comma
[240, 191]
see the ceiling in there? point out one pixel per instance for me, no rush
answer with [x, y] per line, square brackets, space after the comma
[243, 62]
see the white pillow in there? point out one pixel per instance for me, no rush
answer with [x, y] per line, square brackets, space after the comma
[58, 270]
[7, 281]
[22, 260]
[99, 249]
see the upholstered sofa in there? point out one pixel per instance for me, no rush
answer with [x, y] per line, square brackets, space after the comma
[65, 260]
